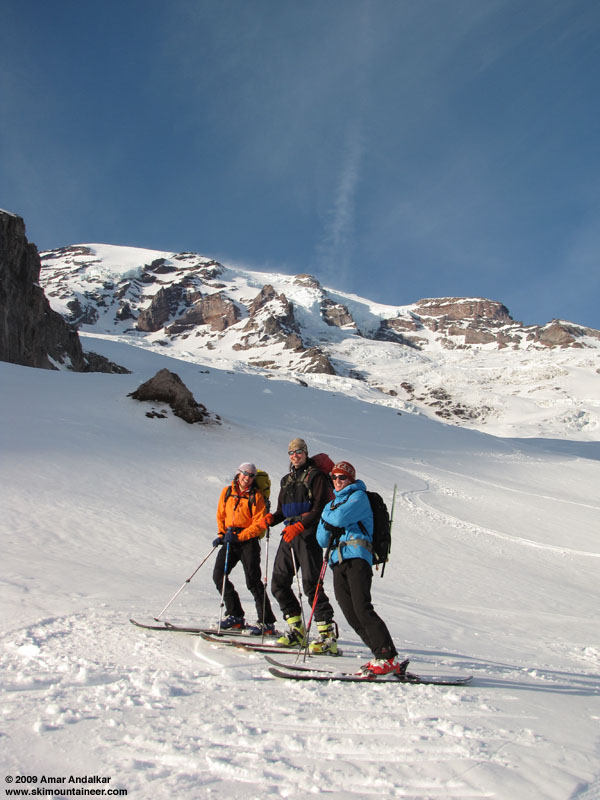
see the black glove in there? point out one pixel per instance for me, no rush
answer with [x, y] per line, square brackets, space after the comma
[217, 541]
[230, 536]
[336, 533]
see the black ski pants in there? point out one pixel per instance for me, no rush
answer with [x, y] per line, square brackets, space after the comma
[249, 554]
[309, 560]
[352, 586]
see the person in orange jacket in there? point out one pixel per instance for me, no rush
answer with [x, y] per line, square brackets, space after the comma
[241, 524]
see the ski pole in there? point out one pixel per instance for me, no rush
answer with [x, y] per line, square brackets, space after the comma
[223, 588]
[265, 586]
[391, 522]
[320, 583]
[299, 587]
[157, 618]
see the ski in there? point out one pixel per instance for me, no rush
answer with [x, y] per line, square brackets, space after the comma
[303, 673]
[247, 644]
[407, 678]
[302, 667]
[282, 665]
[169, 626]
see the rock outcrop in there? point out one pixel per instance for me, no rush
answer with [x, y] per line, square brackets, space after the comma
[167, 387]
[215, 310]
[270, 321]
[461, 322]
[336, 314]
[31, 333]
[562, 334]
[463, 308]
[185, 308]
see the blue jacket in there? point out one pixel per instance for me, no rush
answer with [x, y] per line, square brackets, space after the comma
[349, 507]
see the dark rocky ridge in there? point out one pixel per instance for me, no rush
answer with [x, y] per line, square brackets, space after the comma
[31, 333]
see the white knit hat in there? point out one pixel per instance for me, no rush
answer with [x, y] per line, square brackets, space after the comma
[247, 467]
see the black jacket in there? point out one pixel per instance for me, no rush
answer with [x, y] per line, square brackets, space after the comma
[302, 497]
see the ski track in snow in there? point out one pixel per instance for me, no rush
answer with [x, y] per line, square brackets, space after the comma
[503, 488]
[416, 503]
[414, 498]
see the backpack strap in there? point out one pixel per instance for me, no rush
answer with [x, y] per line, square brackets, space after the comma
[335, 505]
[354, 542]
[308, 478]
[306, 481]
[251, 497]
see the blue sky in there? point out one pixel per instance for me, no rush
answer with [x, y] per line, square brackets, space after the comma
[394, 149]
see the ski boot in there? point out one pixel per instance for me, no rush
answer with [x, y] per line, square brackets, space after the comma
[262, 629]
[232, 623]
[296, 635]
[381, 667]
[326, 643]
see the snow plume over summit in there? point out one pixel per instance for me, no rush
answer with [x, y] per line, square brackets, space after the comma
[462, 360]
[106, 512]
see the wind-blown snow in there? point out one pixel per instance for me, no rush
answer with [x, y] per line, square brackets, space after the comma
[105, 514]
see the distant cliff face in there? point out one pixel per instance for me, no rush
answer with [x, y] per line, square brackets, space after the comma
[481, 321]
[31, 333]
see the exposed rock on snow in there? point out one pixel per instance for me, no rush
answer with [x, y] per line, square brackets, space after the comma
[272, 317]
[167, 387]
[464, 309]
[563, 334]
[336, 314]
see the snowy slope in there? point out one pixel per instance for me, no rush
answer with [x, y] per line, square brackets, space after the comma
[512, 383]
[494, 572]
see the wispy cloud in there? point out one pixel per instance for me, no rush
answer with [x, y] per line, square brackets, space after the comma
[334, 251]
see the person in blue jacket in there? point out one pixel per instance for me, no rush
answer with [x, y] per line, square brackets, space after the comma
[347, 525]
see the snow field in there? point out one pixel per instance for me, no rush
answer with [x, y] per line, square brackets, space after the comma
[106, 513]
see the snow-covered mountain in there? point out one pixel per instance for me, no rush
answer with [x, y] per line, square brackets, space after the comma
[464, 360]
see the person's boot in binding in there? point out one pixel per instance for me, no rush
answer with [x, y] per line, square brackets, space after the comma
[326, 643]
[295, 636]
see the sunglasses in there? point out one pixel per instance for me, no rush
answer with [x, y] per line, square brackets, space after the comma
[247, 474]
[340, 478]
[295, 452]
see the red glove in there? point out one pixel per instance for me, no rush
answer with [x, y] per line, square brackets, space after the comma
[268, 519]
[292, 531]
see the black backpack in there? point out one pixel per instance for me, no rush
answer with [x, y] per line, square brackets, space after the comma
[382, 530]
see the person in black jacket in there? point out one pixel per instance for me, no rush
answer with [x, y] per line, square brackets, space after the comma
[303, 494]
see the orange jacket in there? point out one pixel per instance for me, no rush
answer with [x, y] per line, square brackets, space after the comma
[234, 512]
